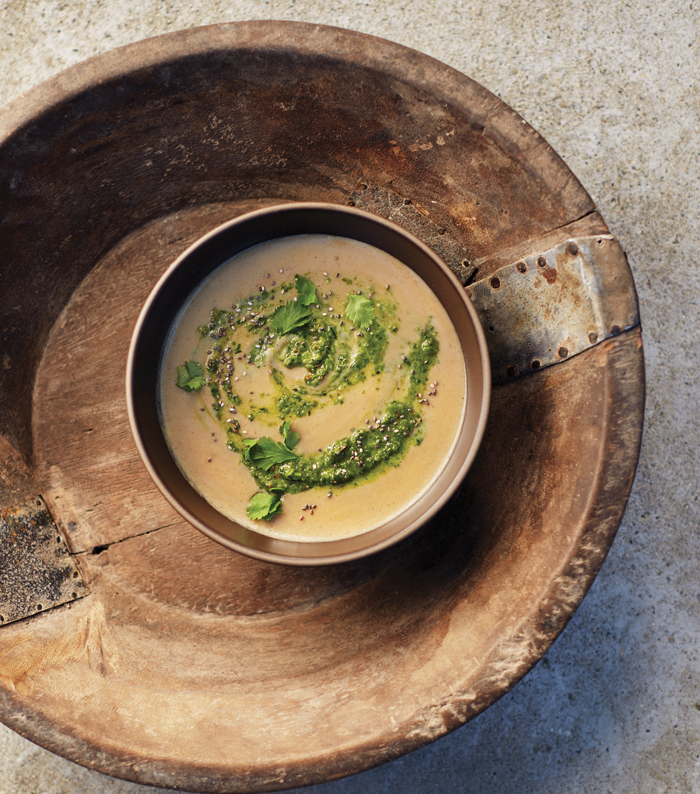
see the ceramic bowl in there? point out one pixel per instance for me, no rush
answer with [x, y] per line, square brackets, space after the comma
[175, 288]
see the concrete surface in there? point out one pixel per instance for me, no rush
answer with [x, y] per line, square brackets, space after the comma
[615, 704]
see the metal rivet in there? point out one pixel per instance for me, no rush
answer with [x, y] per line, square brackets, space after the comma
[536, 364]
[541, 261]
[572, 248]
[495, 282]
[522, 267]
[615, 330]
[73, 595]
[563, 352]
[511, 371]
[593, 337]
[39, 607]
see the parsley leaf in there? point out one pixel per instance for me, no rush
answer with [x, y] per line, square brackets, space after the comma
[190, 376]
[289, 316]
[264, 506]
[359, 310]
[306, 290]
[291, 438]
[265, 453]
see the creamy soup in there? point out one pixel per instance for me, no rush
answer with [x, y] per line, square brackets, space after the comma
[312, 388]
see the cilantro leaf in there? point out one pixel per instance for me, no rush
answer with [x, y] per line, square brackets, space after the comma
[306, 290]
[359, 310]
[264, 506]
[248, 443]
[265, 453]
[290, 316]
[190, 376]
[291, 438]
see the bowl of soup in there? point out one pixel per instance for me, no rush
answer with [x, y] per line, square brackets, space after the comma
[308, 384]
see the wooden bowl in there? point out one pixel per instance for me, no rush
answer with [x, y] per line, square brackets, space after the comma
[191, 666]
[183, 278]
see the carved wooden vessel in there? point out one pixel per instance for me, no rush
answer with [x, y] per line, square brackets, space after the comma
[188, 665]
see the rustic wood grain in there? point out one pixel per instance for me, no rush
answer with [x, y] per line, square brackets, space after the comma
[190, 666]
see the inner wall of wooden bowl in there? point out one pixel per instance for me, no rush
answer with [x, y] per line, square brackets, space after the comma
[364, 660]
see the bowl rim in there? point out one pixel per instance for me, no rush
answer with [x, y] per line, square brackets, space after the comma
[257, 545]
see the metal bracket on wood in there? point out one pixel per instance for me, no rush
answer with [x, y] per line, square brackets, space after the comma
[550, 305]
[37, 571]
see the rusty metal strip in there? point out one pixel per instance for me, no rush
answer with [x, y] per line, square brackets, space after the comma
[551, 305]
[37, 571]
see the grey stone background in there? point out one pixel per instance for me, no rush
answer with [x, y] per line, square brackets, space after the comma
[615, 705]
